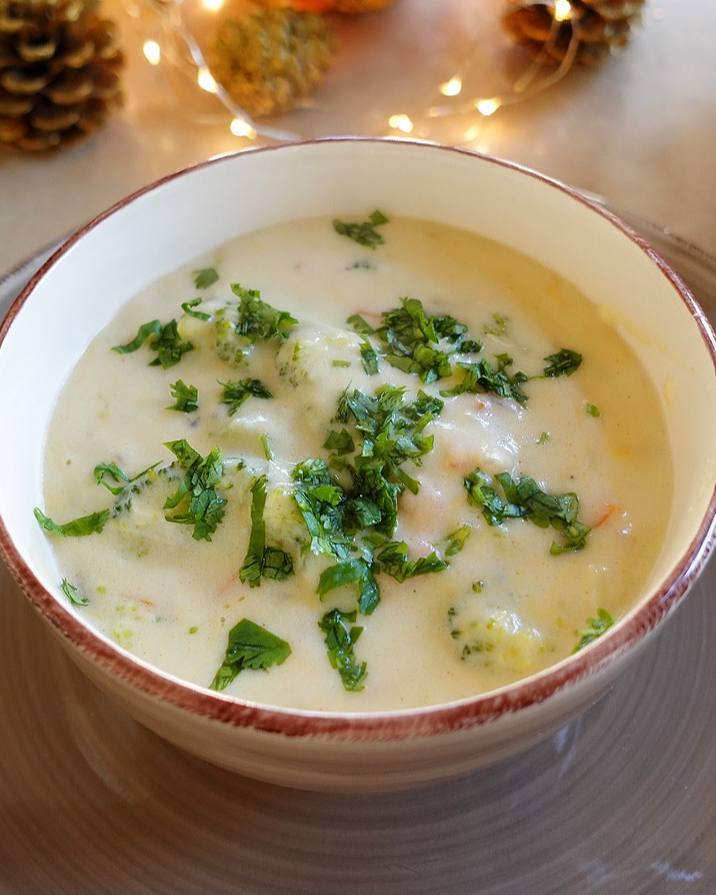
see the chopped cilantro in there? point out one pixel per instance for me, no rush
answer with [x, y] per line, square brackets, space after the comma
[478, 586]
[594, 629]
[482, 376]
[563, 363]
[498, 327]
[340, 442]
[369, 358]
[186, 397]
[352, 571]
[523, 498]
[205, 277]
[193, 629]
[76, 528]
[163, 338]
[340, 363]
[73, 594]
[189, 309]
[593, 410]
[250, 646]
[266, 446]
[196, 501]
[262, 560]
[360, 325]
[363, 233]
[544, 437]
[237, 391]
[392, 559]
[455, 541]
[259, 320]
[321, 503]
[340, 639]
[118, 483]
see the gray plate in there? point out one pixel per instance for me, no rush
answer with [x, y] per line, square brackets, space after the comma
[620, 802]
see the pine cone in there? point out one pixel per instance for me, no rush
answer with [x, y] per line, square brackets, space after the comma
[271, 57]
[58, 72]
[599, 27]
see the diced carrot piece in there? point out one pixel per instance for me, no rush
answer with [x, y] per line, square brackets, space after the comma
[605, 514]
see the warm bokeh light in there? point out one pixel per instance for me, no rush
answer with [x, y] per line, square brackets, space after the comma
[451, 87]
[487, 107]
[205, 80]
[152, 52]
[241, 128]
[212, 5]
[401, 122]
[562, 10]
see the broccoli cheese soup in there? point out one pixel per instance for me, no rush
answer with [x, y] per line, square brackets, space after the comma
[356, 465]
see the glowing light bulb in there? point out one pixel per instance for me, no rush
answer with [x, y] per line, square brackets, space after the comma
[205, 80]
[451, 87]
[152, 52]
[212, 5]
[562, 10]
[241, 128]
[401, 122]
[487, 107]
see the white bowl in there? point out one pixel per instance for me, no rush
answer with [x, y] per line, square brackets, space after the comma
[186, 215]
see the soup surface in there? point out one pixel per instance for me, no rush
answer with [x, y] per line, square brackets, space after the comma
[236, 495]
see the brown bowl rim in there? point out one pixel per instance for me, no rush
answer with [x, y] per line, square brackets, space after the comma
[387, 725]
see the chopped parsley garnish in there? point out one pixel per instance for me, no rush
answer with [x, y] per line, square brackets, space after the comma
[593, 410]
[237, 391]
[340, 363]
[340, 635]
[523, 498]
[393, 560]
[76, 528]
[360, 325]
[196, 501]
[321, 503]
[369, 358]
[544, 437]
[164, 339]
[250, 647]
[455, 541]
[482, 376]
[186, 397]
[261, 560]
[563, 363]
[363, 233]
[259, 320]
[498, 327]
[189, 308]
[205, 277]
[73, 593]
[124, 487]
[594, 629]
[339, 442]
[352, 571]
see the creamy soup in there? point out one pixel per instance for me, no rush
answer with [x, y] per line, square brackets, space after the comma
[325, 429]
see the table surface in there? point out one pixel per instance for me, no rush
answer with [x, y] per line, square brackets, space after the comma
[639, 129]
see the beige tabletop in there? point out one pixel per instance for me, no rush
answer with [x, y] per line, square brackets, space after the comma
[639, 130]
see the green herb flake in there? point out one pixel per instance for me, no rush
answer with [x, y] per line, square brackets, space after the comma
[73, 594]
[544, 437]
[237, 391]
[594, 629]
[340, 637]
[478, 587]
[164, 339]
[256, 319]
[352, 571]
[360, 325]
[321, 502]
[186, 397]
[369, 358]
[393, 560]
[523, 498]
[250, 646]
[455, 541]
[592, 410]
[262, 560]
[363, 233]
[340, 442]
[266, 446]
[189, 308]
[76, 528]
[340, 363]
[193, 629]
[196, 501]
[482, 377]
[205, 277]
[563, 363]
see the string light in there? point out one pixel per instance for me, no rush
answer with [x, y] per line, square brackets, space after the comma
[488, 107]
[453, 87]
[205, 80]
[152, 52]
[239, 127]
[401, 122]
[562, 10]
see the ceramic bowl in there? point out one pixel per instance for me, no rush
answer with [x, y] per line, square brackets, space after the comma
[185, 215]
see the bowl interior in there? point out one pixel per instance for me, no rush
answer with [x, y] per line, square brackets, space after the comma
[188, 215]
